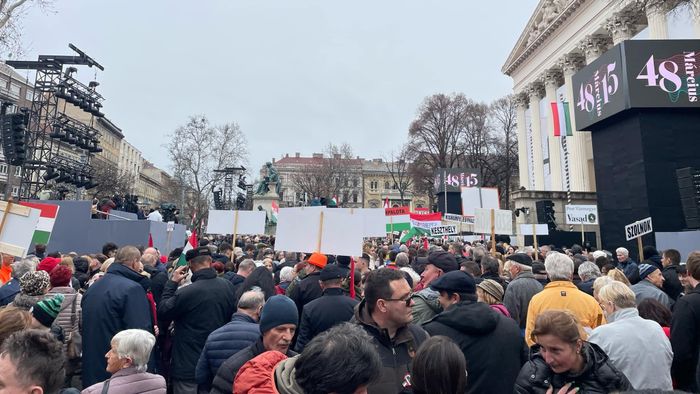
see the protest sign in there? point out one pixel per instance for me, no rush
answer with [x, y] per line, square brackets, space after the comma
[581, 214]
[236, 222]
[478, 197]
[443, 230]
[17, 228]
[637, 230]
[329, 231]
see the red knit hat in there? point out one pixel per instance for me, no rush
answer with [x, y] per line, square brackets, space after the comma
[60, 276]
[48, 264]
[318, 259]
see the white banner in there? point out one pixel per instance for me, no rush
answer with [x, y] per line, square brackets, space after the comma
[581, 214]
[503, 221]
[443, 230]
[540, 229]
[225, 222]
[478, 197]
[329, 231]
[638, 228]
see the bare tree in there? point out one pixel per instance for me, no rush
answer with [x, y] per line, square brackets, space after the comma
[503, 162]
[11, 13]
[336, 174]
[110, 181]
[196, 150]
[398, 164]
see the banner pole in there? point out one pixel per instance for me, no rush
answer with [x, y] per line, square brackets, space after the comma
[534, 240]
[8, 209]
[320, 233]
[639, 245]
[583, 236]
[235, 226]
[493, 232]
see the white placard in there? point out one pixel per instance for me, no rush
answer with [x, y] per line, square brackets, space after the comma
[638, 228]
[373, 219]
[443, 230]
[478, 197]
[19, 229]
[540, 229]
[249, 222]
[581, 214]
[341, 231]
[503, 220]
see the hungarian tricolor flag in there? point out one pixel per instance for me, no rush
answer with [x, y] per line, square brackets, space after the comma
[47, 218]
[191, 244]
[561, 118]
[275, 211]
[426, 222]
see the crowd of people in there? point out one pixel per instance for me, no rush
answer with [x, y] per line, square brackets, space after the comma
[418, 317]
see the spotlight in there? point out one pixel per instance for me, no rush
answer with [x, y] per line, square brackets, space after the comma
[57, 131]
[63, 177]
[50, 174]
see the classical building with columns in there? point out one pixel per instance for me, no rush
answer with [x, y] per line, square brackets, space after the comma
[561, 37]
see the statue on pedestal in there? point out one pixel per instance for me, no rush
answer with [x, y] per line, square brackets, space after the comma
[270, 181]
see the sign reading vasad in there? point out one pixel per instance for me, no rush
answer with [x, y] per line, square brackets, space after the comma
[638, 74]
[456, 178]
[581, 214]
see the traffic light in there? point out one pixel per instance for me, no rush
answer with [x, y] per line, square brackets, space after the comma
[545, 214]
[14, 138]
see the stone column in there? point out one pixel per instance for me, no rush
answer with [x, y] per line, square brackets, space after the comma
[521, 102]
[656, 17]
[622, 26]
[552, 80]
[594, 45]
[535, 91]
[696, 17]
[578, 160]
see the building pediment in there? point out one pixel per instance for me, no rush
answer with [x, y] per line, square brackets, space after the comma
[548, 16]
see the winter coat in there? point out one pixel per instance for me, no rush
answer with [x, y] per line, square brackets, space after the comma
[672, 285]
[223, 343]
[26, 302]
[645, 289]
[491, 344]
[158, 280]
[562, 294]
[258, 374]
[196, 310]
[626, 339]
[598, 375]
[306, 291]
[323, 313]
[685, 325]
[500, 309]
[9, 291]
[586, 286]
[130, 381]
[225, 376]
[425, 305]
[114, 303]
[630, 269]
[64, 316]
[82, 267]
[518, 295]
[396, 353]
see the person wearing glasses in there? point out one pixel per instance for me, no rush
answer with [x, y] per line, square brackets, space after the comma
[490, 341]
[386, 315]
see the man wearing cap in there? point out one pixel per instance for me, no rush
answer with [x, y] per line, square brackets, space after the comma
[426, 301]
[491, 342]
[309, 288]
[114, 303]
[522, 287]
[332, 308]
[278, 322]
[651, 280]
[197, 310]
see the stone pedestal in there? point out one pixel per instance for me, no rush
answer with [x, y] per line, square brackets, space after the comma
[265, 202]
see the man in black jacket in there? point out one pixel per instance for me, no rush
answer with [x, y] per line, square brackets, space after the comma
[491, 342]
[278, 322]
[332, 308]
[197, 310]
[386, 315]
[685, 325]
[672, 285]
[309, 288]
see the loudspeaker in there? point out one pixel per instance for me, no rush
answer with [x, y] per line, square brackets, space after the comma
[689, 191]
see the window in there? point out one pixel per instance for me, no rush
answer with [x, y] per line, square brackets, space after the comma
[386, 185]
[18, 171]
[395, 187]
[3, 168]
[14, 88]
[355, 182]
[354, 197]
[345, 197]
[15, 191]
[29, 95]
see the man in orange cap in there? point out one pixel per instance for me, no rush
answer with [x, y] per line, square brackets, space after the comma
[309, 288]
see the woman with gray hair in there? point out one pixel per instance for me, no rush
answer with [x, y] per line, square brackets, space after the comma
[126, 361]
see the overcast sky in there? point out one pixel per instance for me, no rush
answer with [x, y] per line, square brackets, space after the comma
[294, 74]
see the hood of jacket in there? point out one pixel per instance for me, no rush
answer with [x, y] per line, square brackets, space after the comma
[470, 317]
[203, 274]
[431, 298]
[256, 375]
[626, 313]
[285, 382]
